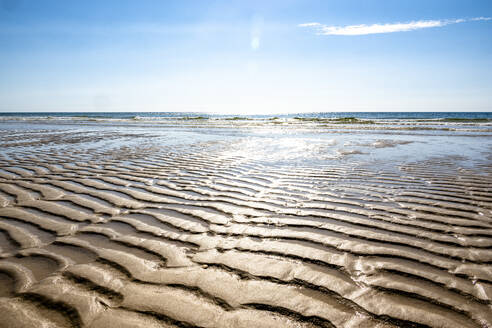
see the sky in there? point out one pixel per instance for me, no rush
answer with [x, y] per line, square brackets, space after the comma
[245, 57]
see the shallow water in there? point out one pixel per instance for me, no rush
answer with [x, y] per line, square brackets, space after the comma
[245, 224]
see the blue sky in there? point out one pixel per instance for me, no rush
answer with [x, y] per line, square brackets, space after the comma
[245, 57]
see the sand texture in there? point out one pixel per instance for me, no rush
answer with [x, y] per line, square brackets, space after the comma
[199, 236]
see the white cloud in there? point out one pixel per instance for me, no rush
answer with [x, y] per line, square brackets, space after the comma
[481, 19]
[364, 29]
[309, 24]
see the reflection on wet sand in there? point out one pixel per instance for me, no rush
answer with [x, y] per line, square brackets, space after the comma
[216, 234]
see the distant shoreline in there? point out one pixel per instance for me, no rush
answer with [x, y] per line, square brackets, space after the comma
[470, 116]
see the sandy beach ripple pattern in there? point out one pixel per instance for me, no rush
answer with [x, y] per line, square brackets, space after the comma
[198, 236]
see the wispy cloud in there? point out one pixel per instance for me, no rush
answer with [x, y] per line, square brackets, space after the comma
[364, 29]
[309, 24]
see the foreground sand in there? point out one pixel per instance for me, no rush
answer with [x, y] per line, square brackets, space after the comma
[197, 237]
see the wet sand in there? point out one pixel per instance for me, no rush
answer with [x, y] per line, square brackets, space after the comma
[214, 234]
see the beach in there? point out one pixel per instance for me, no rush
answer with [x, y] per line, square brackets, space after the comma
[190, 221]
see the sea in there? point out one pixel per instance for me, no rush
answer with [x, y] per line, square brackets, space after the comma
[158, 115]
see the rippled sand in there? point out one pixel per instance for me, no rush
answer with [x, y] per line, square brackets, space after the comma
[212, 234]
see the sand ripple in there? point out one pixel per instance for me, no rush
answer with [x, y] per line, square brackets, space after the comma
[193, 237]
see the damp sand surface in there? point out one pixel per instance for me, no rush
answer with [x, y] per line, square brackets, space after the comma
[245, 224]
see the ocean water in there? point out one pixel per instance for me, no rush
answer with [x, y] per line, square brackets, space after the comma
[157, 115]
